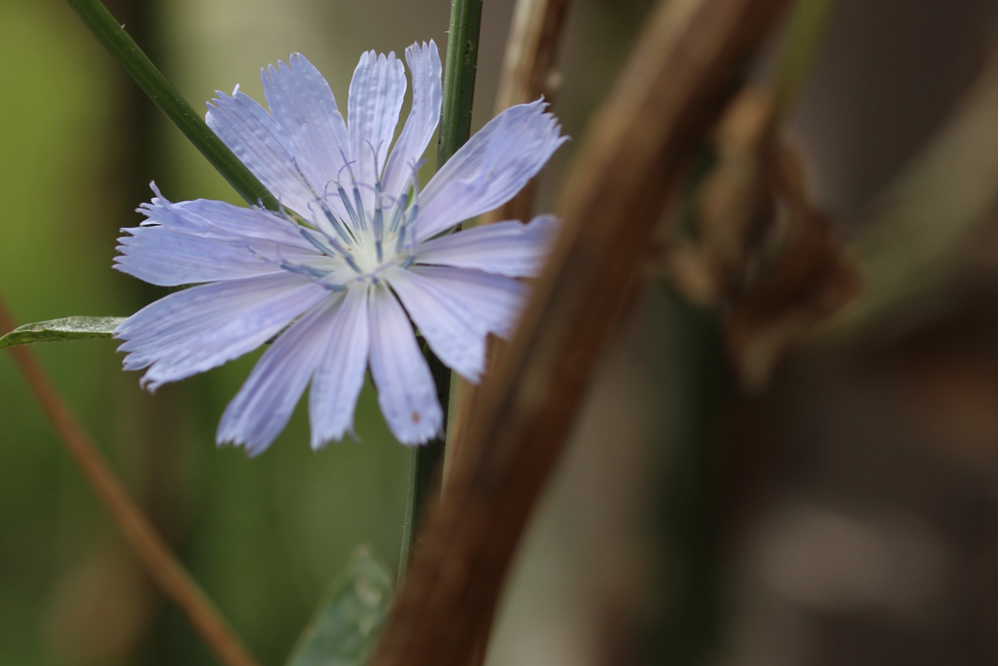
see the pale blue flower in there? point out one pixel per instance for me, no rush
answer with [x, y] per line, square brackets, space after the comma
[356, 255]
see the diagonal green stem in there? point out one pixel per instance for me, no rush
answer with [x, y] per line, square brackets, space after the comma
[123, 49]
[456, 125]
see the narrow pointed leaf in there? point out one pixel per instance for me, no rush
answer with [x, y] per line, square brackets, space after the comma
[122, 48]
[349, 619]
[61, 330]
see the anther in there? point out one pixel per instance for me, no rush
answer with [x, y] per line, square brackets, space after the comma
[377, 221]
[360, 207]
[333, 249]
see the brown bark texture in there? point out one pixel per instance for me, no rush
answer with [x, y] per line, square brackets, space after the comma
[686, 64]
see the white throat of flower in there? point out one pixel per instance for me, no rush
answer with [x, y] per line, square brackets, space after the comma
[366, 242]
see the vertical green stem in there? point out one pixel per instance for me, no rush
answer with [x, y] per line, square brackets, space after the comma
[123, 49]
[459, 77]
[685, 630]
[456, 126]
[425, 462]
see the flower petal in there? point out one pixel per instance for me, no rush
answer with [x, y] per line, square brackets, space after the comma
[168, 258]
[340, 374]
[373, 103]
[205, 241]
[218, 219]
[425, 70]
[261, 409]
[490, 168]
[494, 300]
[454, 335]
[505, 248]
[304, 106]
[203, 327]
[406, 392]
[259, 142]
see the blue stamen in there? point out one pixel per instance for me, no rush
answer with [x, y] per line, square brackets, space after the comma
[335, 223]
[360, 207]
[398, 215]
[402, 232]
[350, 209]
[311, 272]
[334, 248]
[377, 222]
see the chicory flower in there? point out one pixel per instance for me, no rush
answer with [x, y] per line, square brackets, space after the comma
[355, 258]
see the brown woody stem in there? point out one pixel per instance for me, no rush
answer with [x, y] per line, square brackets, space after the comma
[532, 46]
[165, 570]
[641, 141]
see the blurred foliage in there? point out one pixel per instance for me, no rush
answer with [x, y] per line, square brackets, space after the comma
[349, 618]
[922, 221]
[263, 537]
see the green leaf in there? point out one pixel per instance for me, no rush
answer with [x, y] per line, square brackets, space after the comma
[59, 330]
[122, 48]
[347, 621]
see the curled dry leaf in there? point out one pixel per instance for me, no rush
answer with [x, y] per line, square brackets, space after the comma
[760, 252]
[805, 275]
[734, 205]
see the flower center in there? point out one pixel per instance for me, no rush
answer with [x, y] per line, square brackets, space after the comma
[355, 242]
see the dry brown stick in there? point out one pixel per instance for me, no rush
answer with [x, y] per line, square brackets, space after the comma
[679, 75]
[535, 34]
[528, 71]
[171, 577]
[529, 61]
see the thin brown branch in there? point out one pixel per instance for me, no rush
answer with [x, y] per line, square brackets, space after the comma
[532, 46]
[535, 36]
[168, 573]
[529, 73]
[528, 69]
[679, 75]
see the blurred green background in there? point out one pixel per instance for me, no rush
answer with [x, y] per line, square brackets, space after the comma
[264, 536]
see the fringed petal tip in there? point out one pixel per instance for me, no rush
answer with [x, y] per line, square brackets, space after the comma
[319, 443]
[406, 392]
[252, 449]
[492, 167]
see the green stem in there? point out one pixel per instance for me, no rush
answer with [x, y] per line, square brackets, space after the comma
[122, 48]
[459, 77]
[456, 125]
[425, 463]
[798, 47]
[686, 624]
